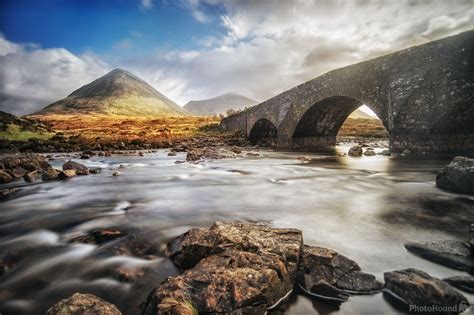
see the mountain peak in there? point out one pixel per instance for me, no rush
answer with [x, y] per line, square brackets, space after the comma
[118, 92]
[119, 71]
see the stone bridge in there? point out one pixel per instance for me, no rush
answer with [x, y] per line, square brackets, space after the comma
[424, 96]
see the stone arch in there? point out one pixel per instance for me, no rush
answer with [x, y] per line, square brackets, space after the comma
[263, 130]
[318, 126]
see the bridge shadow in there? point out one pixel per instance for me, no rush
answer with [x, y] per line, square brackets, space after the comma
[263, 132]
[318, 127]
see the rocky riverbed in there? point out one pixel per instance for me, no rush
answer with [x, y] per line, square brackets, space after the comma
[146, 240]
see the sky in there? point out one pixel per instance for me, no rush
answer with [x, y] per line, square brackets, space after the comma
[198, 49]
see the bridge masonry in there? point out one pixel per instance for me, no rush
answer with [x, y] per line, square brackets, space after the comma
[424, 96]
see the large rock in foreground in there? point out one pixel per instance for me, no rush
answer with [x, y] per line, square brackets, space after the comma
[453, 254]
[458, 176]
[189, 248]
[231, 267]
[326, 273]
[83, 304]
[234, 281]
[418, 292]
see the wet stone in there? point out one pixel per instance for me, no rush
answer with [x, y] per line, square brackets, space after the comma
[464, 283]
[411, 288]
[187, 249]
[77, 167]
[453, 254]
[458, 176]
[355, 151]
[327, 273]
[230, 282]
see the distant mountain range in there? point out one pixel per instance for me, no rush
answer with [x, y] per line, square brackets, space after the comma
[119, 92]
[219, 104]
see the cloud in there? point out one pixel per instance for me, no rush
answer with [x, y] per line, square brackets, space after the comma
[446, 25]
[33, 77]
[198, 13]
[270, 46]
[146, 4]
[262, 48]
[7, 47]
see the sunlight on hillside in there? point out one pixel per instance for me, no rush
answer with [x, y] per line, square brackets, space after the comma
[363, 122]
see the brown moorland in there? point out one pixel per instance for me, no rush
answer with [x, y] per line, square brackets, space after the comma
[127, 128]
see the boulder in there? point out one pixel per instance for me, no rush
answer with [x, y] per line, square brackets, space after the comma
[83, 304]
[50, 174]
[453, 254]
[369, 153]
[66, 174]
[77, 167]
[231, 282]
[355, 151]
[189, 248]
[465, 283]
[327, 273]
[116, 173]
[386, 152]
[231, 267]
[5, 177]
[18, 172]
[236, 150]
[458, 176]
[31, 176]
[96, 170]
[417, 291]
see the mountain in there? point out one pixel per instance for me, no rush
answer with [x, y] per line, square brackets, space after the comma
[360, 114]
[117, 93]
[219, 104]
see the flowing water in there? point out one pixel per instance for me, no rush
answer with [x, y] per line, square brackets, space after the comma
[365, 208]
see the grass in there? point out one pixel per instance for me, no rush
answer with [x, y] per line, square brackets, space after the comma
[128, 128]
[361, 127]
[17, 133]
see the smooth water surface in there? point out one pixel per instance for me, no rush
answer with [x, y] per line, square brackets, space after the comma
[365, 208]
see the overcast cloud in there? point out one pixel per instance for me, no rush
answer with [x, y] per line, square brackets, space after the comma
[269, 46]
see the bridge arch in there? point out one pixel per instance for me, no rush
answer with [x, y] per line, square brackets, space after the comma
[263, 130]
[317, 127]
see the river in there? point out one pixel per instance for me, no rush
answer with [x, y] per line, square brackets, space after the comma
[365, 208]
